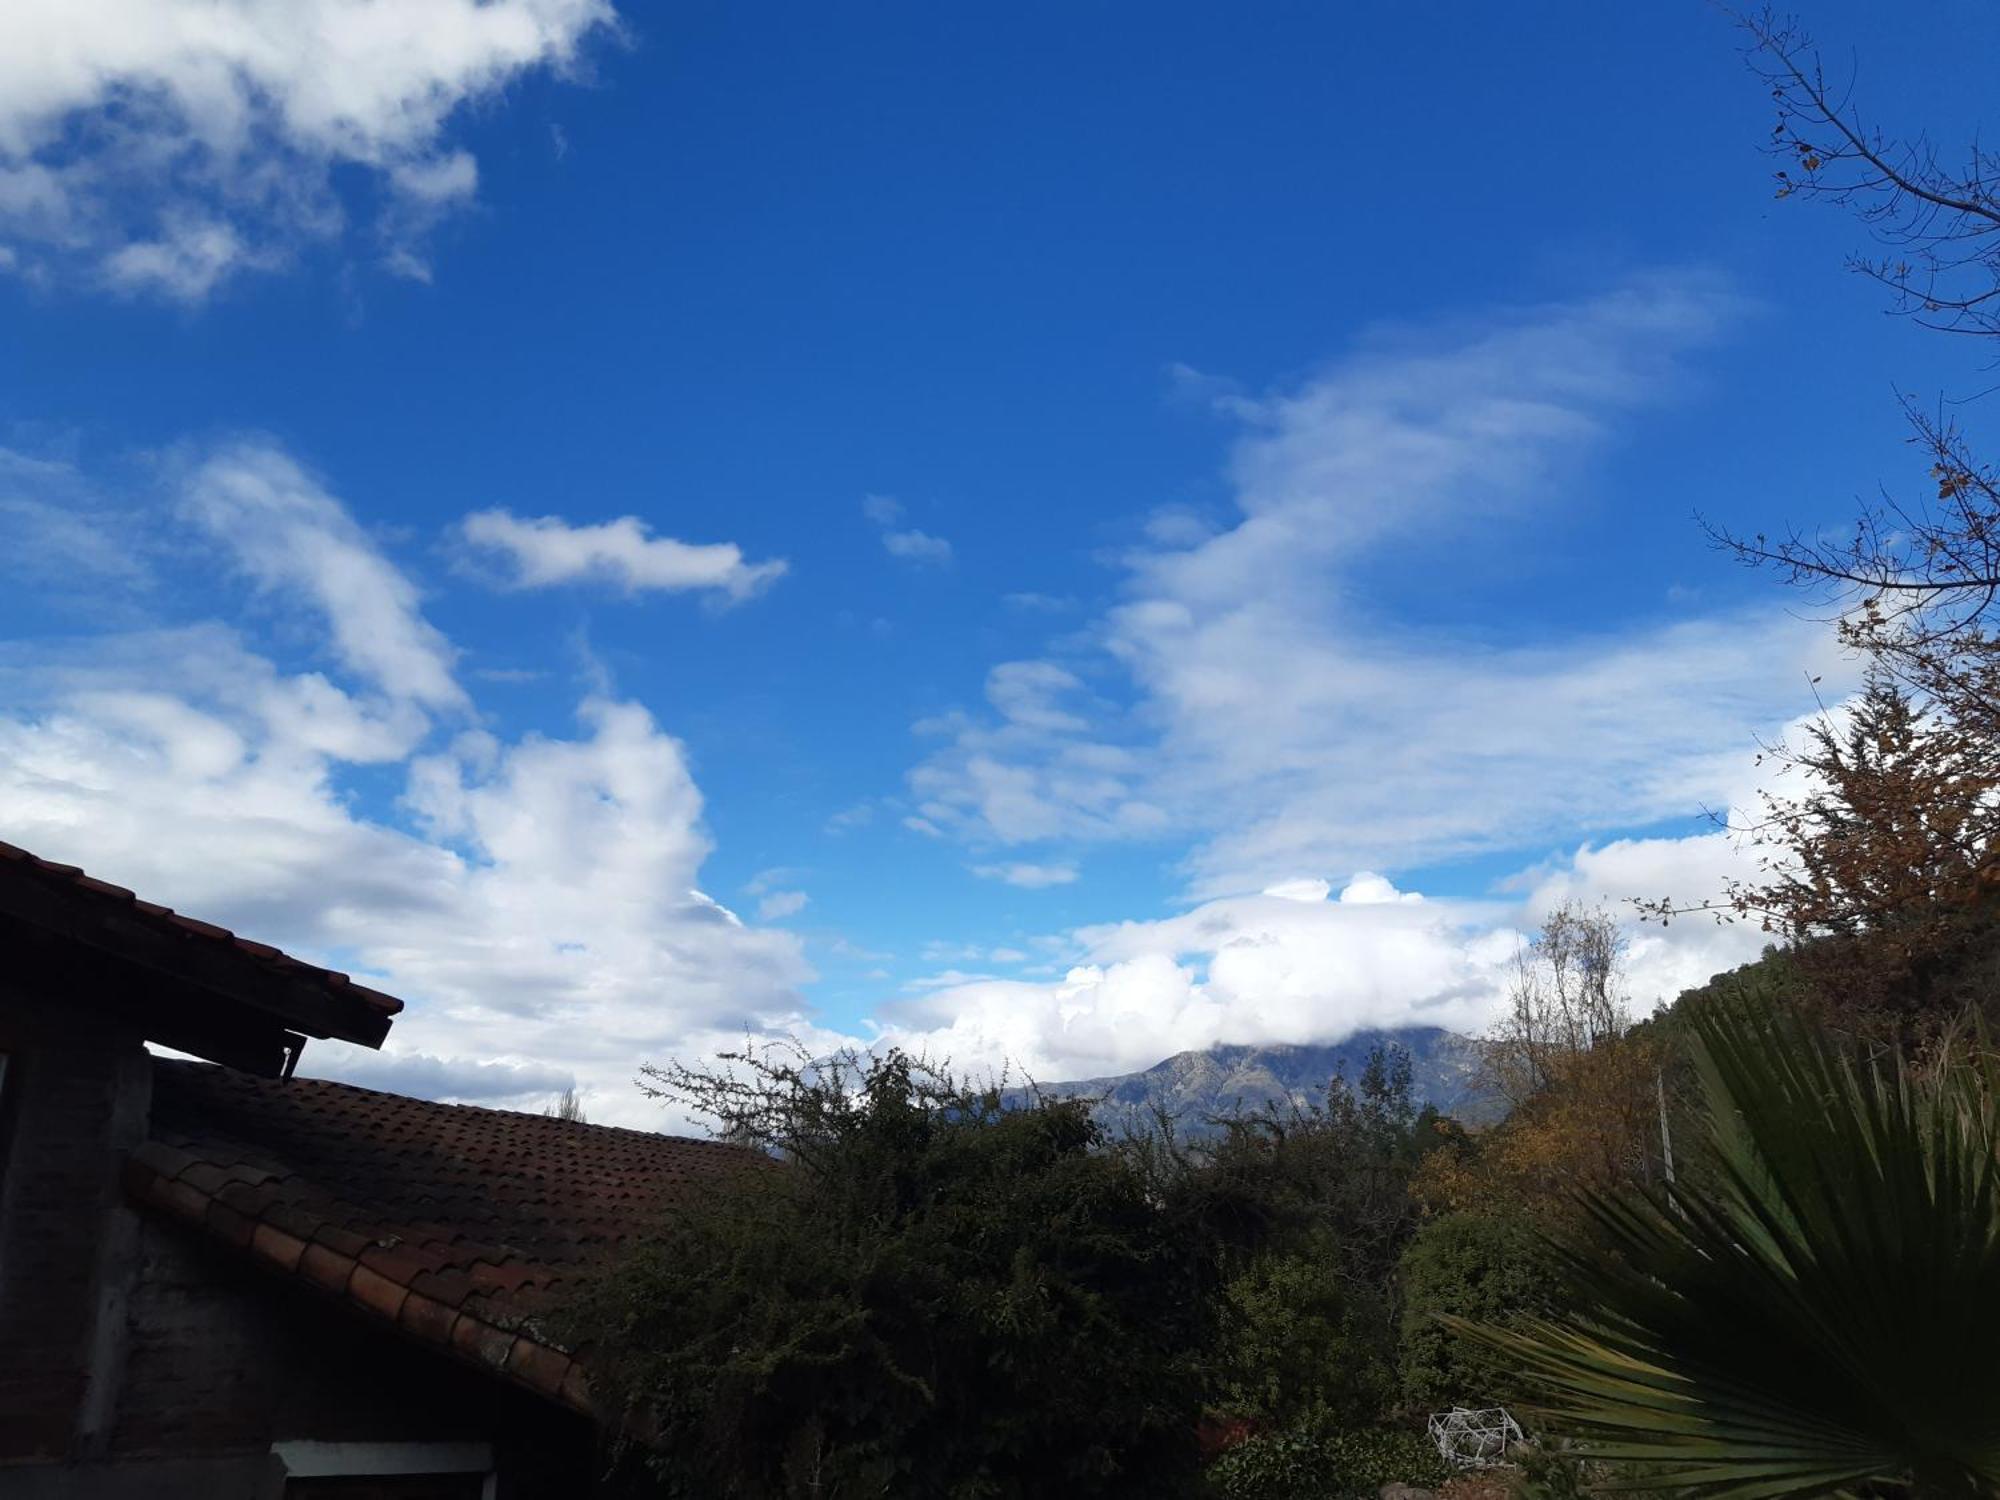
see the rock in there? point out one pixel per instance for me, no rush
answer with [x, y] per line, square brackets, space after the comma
[1406, 1492]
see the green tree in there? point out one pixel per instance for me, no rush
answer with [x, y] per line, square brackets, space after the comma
[918, 1292]
[1810, 1317]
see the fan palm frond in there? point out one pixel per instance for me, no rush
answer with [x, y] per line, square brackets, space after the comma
[1822, 1312]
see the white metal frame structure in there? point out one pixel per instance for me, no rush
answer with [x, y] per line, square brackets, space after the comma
[1475, 1438]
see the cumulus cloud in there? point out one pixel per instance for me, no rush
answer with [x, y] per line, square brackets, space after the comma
[509, 1084]
[543, 551]
[1253, 969]
[907, 543]
[1268, 719]
[537, 900]
[162, 146]
[1296, 963]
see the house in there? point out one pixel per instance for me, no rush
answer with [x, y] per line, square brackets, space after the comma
[219, 1280]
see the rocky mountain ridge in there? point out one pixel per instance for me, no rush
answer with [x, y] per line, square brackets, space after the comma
[1193, 1087]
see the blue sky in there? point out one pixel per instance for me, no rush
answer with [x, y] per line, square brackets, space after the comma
[1169, 455]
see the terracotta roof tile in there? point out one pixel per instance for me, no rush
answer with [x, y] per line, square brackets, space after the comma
[327, 1269]
[428, 1319]
[226, 1224]
[480, 1341]
[282, 1250]
[455, 1224]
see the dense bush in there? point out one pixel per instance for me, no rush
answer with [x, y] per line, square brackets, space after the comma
[1492, 1270]
[1320, 1460]
[911, 1290]
[930, 1296]
[1300, 1338]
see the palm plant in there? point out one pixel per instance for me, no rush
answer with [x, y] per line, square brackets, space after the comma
[1818, 1313]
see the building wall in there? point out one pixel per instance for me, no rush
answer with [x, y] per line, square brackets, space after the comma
[138, 1360]
[73, 1101]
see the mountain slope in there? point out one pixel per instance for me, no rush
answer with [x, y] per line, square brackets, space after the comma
[1192, 1086]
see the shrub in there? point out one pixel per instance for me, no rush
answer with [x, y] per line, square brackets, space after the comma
[1298, 1338]
[1481, 1268]
[1318, 1460]
[930, 1296]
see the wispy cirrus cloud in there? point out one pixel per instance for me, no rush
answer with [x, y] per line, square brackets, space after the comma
[1028, 876]
[261, 507]
[1240, 699]
[161, 147]
[58, 528]
[547, 551]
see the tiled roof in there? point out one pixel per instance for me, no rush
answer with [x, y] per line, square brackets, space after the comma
[109, 916]
[457, 1225]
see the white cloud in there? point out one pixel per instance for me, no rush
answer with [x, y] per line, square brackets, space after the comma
[166, 145]
[293, 538]
[1031, 877]
[56, 530]
[185, 262]
[1306, 888]
[1038, 604]
[781, 904]
[1276, 725]
[917, 547]
[1031, 694]
[430, 1077]
[544, 551]
[907, 543]
[537, 900]
[1245, 969]
[848, 819]
[1291, 965]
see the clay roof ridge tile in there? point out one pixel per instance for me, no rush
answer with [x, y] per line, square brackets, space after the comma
[199, 928]
[104, 887]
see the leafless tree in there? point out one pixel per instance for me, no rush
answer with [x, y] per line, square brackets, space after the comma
[1914, 582]
[1887, 820]
[1938, 222]
[1567, 996]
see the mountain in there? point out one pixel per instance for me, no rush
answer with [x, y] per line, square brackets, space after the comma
[1192, 1086]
